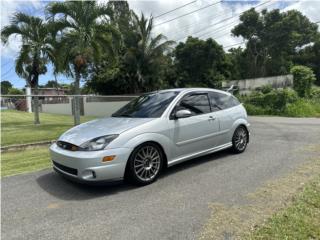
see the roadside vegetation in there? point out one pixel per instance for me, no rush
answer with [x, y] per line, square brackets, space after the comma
[285, 102]
[283, 208]
[28, 160]
[301, 101]
[17, 127]
[301, 220]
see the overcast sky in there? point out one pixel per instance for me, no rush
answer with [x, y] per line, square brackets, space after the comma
[215, 20]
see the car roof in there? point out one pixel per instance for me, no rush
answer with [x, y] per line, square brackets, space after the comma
[186, 90]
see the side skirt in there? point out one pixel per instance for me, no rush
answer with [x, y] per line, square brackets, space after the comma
[198, 154]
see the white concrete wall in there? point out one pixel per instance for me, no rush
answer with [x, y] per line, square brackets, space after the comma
[102, 108]
[58, 108]
[90, 108]
[247, 85]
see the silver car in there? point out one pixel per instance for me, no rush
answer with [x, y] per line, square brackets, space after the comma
[152, 132]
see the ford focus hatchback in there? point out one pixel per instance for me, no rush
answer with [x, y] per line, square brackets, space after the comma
[154, 131]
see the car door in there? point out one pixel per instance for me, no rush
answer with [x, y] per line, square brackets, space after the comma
[223, 104]
[194, 133]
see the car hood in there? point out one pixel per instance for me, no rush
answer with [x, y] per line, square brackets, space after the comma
[100, 127]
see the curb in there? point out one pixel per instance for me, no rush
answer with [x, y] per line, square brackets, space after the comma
[20, 147]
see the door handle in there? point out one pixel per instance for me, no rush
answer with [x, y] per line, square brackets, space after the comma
[211, 118]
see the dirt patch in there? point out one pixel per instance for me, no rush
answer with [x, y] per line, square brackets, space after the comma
[234, 222]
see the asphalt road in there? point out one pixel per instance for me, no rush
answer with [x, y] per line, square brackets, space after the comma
[42, 205]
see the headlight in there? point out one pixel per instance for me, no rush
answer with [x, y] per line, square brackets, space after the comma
[98, 143]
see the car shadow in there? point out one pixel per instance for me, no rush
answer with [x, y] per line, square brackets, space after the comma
[62, 188]
[195, 162]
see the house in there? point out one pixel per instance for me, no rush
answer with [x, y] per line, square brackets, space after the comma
[51, 91]
[46, 93]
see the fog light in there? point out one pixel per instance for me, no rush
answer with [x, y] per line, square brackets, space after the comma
[88, 174]
[108, 158]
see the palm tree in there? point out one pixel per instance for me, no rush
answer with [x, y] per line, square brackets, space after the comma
[36, 50]
[84, 35]
[147, 52]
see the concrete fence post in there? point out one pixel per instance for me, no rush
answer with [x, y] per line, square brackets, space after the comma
[28, 99]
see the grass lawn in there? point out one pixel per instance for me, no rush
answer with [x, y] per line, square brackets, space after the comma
[301, 220]
[29, 160]
[17, 127]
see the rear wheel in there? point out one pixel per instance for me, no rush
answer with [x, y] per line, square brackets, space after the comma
[240, 139]
[145, 164]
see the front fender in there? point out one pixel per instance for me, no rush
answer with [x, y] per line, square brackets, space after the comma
[165, 142]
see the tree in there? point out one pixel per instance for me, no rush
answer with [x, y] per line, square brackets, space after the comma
[200, 63]
[303, 78]
[141, 59]
[310, 56]
[15, 91]
[37, 49]
[84, 35]
[5, 86]
[238, 63]
[52, 84]
[144, 56]
[272, 39]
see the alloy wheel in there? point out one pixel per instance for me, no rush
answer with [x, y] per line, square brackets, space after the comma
[147, 163]
[240, 139]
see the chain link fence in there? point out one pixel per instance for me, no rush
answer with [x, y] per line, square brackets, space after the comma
[64, 104]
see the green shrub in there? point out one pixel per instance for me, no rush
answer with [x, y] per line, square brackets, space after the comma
[303, 108]
[15, 91]
[303, 77]
[274, 102]
[283, 103]
[315, 93]
[254, 110]
[265, 89]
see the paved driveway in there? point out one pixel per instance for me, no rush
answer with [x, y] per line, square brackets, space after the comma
[42, 205]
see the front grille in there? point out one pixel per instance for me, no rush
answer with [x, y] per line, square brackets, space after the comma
[70, 170]
[67, 146]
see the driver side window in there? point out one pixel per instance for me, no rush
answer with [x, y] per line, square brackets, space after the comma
[196, 103]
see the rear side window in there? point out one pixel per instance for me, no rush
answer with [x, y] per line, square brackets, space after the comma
[220, 101]
[196, 103]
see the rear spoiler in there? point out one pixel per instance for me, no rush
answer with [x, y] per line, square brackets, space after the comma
[231, 89]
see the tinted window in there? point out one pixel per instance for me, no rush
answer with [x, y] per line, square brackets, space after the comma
[195, 103]
[150, 105]
[221, 101]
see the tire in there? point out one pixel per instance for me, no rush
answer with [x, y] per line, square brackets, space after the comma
[144, 164]
[240, 139]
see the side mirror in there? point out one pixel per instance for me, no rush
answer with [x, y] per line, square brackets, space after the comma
[183, 114]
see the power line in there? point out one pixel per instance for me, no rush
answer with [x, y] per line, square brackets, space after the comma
[5, 64]
[2, 75]
[223, 28]
[239, 43]
[222, 20]
[183, 29]
[202, 29]
[162, 14]
[186, 14]
[219, 29]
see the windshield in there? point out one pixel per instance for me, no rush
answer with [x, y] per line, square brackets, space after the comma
[150, 105]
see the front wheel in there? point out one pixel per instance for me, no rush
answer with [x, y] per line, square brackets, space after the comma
[145, 164]
[240, 139]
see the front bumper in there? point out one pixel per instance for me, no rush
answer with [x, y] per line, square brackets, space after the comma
[88, 166]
